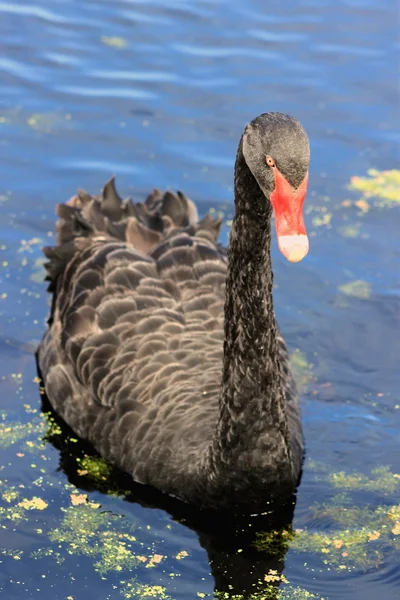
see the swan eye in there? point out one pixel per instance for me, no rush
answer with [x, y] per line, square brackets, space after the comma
[270, 161]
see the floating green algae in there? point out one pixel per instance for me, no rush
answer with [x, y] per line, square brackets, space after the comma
[302, 370]
[15, 431]
[297, 593]
[270, 592]
[114, 42]
[365, 537]
[84, 530]
[383, 186]
[274, 543]
[350, 231]
[95, 467]
[12, 513]
[38, 274]
[53, 427]
[381, 480]
[42, 122]
[357, 289]
[322, 220]
[362, 535]
[133, 589]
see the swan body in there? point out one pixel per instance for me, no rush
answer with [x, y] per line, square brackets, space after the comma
[162, 347]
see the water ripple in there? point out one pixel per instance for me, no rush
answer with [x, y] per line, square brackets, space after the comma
[33, 11]
[109, 92]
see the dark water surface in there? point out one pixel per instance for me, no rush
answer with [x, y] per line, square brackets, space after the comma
[158, 93]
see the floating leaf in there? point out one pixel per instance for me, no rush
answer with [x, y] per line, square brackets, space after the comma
[77, 499]
[396, 528]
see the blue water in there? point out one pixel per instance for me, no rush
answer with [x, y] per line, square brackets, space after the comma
[158, 93]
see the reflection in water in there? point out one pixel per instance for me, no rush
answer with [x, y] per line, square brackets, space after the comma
[240, 562]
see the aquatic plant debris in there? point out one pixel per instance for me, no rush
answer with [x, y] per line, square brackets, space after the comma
[275, 542]
[381, 480]
[133, 589]
[362, 536]
[41, 122]
[357, 289]
[74, 524]
[270, 592]
[14, 431]
[114, 42]
[359, 544]
[351, 231]
[381, 186]
[87, 531]
[34, 504]
[302, 370]
[96, 468]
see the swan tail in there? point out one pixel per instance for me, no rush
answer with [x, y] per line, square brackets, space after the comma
[142, 225]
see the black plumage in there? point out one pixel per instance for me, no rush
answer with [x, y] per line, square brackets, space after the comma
[163, 350]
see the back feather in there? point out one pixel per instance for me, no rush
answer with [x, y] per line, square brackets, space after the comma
[142, 225]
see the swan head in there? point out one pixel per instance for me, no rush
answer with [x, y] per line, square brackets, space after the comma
[277, 152]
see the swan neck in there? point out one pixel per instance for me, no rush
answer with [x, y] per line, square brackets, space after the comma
[252, 428]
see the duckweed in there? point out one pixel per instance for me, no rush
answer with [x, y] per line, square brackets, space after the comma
[86, 531]
[34, 504]
[14, 431]
[96, 468]
[381, 480]
[274, 543]
[384, 186]
[357, 289]
[302, 370]
[286, 592]
[363, 540]
[114, 42]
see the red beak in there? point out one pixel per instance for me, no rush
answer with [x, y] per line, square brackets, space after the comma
[287, 203]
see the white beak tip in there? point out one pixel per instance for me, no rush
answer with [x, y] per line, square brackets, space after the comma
[293, 247]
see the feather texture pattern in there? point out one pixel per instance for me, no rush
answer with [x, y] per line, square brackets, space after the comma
[141, 356]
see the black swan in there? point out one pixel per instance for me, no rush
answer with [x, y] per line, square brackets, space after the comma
[162, 348]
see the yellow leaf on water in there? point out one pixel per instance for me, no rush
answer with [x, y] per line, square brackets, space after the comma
[362, 205]
[77, 499]
[396, 528]
[154, 560]
[141, 558]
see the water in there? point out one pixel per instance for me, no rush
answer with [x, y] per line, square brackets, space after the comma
[158, 93]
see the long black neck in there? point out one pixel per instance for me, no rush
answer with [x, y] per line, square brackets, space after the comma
[252, 440]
